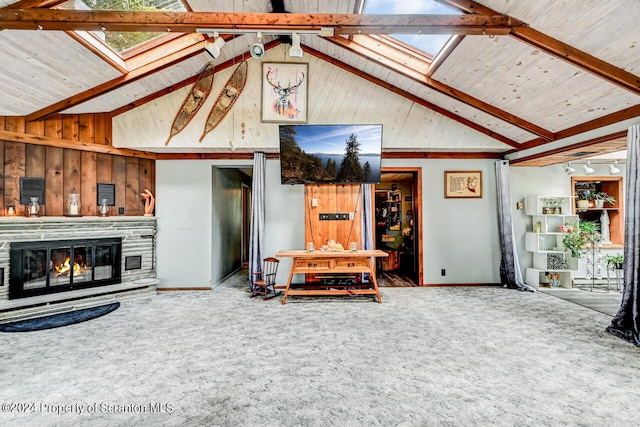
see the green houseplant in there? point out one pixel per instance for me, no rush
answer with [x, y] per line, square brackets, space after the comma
[583, 235]
[615, 261]
[552, 205]
[600, 198]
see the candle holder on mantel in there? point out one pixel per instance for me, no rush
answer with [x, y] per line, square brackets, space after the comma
[34, 208]
[73, 205]
[104, 208]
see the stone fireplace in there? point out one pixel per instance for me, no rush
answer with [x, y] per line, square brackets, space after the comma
[55, 264]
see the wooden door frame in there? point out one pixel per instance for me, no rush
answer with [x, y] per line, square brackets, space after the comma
[417, 205]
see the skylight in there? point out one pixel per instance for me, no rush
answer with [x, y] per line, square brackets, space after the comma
[121, 41]
[428, 43]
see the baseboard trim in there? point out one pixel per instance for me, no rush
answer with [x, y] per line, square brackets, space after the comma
[182, 289]
[435, 285]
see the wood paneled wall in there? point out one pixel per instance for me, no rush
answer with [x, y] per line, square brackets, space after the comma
[333, 199]
[92, 128]
[71, 171]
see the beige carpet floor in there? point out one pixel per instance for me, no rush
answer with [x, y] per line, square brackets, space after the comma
[465, 356]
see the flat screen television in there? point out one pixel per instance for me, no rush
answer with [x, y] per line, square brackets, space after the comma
[330, 154]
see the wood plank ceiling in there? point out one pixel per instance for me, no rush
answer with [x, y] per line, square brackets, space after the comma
[528, 74]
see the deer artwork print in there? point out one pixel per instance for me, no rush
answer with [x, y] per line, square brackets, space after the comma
[285, 101]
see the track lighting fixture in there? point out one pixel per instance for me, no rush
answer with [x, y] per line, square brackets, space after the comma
[214, 48]
[296, 50]
[613, 168]
[568, 169]
[257, 49]
[588, 170]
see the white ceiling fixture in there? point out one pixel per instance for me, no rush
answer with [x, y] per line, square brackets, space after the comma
[568, 169]
[296, 50]
[588, 170]
[215, 48]
[257, 49]
[613, 168]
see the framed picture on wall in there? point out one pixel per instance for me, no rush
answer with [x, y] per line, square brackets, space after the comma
[463, 184]
[31, 187]
[284, 92]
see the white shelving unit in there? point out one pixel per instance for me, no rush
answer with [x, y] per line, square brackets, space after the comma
[550, 260]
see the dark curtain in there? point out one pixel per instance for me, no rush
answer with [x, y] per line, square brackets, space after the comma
[510, 273]
[626, 323]
[367, 217]
[256, 237]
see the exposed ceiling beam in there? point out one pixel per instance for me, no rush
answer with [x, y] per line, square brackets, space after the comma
[558, 49]
[411, 97]
[189, 22]
[113, 84]
[578, 58]
[75, 145]
[387, 154]
[355, 47]
[609, 143]
[609, 119]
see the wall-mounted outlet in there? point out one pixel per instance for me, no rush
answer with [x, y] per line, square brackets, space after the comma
[120, 210]
[443, 272]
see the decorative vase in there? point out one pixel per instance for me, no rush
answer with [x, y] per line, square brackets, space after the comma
[104, 208]
[34, 207]
[73, 206]
[599, 204]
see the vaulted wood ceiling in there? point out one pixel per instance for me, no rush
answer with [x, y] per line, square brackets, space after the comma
[540, 77]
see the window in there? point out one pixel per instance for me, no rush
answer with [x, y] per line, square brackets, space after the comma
[121, 42]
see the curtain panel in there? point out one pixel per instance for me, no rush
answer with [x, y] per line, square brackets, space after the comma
[510, 273]
[626, 323]
[256, 237]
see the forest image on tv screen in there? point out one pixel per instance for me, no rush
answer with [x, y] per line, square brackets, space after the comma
[328, 154]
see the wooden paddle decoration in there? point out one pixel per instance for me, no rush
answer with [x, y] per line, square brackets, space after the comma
[193, 101]
[227, 98]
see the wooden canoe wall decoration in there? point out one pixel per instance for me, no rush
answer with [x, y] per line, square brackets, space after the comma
[193, 101]
[227, 98]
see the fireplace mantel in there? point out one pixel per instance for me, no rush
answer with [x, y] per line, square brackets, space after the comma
[138, 234]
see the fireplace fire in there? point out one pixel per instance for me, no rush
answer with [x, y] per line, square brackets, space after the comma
[45, 267]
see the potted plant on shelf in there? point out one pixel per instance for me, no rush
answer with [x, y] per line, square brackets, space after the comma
[584, 234]
[552, 205]
[600, 198]
[582, 200]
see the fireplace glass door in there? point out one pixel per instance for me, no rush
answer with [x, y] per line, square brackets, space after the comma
[55, 266]
[34, 274]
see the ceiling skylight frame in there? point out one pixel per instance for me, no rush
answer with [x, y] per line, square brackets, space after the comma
[137, 49]
[400, 39]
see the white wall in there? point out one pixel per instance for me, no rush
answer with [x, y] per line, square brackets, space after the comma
[183, 211]
[459, 235]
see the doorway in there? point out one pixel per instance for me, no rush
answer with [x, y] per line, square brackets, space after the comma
[397, 223]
